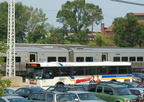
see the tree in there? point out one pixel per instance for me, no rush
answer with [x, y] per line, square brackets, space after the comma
[78, 15]
[3, 82]
[102, 41]
[27, 21]
[126, 31]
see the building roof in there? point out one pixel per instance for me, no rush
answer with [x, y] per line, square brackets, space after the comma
[139, 14]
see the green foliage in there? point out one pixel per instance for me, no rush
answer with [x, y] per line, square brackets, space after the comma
[128, 32]
[27, 21]
[77, 16]
[102, 41]
[3, 82]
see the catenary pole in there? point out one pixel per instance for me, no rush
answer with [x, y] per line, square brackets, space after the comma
[10, 61]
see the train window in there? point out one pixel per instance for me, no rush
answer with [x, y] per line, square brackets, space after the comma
[124, 58]
[116, 59]
[132, 59]
[51, 59]
[80, 59]
[89, 59]
[18, 59]
[139, 58]
[32, 57]
[61, 59]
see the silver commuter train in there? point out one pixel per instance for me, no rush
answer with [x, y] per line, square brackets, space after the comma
[74, 53]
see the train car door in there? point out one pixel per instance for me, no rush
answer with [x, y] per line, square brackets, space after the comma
[104, 57]
[33, 57]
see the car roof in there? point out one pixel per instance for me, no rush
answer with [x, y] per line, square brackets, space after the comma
[137, 88]
[112, 85]
[77, 92]
[8, 97]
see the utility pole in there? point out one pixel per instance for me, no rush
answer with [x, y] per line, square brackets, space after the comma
[10, 63]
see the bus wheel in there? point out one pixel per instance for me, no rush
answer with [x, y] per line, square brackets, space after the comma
[60, 84]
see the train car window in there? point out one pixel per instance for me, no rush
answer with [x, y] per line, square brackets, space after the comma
[18, 59]
[80, 59]
[124, 58]
[132, 58]
[139, 58]
[32, 57]
[51, 59]
[89, 59]
[61, 59]
[116, 59]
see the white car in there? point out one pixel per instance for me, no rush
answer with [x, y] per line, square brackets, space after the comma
[84, 96]
[13, 99]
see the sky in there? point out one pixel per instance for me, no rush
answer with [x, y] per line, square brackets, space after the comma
[110, 9]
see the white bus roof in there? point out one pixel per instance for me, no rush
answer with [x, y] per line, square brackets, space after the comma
[57, 64]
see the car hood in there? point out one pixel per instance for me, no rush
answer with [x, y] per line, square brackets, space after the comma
[129, 96]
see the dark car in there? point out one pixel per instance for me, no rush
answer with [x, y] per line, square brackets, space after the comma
[13, 99]
[140, 75]
[66, 88]
[9, 92]
[53, 96]
[26, 91]
[130, 84]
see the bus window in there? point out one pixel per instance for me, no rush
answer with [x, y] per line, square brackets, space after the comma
[48, 73]
[112, 70]
[122, 70]
[101, 70]
[78, 71]
[65, 71]
[90, 70]
[38, 73]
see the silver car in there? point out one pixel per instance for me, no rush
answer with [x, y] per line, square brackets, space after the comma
[84, 96]
[136, 79]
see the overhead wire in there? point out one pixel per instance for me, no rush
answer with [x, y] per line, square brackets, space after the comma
[133, 3]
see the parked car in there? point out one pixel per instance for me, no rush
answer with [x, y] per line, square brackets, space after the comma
[13, 99]
[84, 96]
[114, 93]
[136, 79]
[140, 75]
[141, 85]
[129, 84]
[88, 87]
[53, 96]
[66, 88]
[138, 92]
[26, 91]
[8, 91]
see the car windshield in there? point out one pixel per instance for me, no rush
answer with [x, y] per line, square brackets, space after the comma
[134, 84]
[122, 91]
[18, 100]
[87, 96]
[135, 92]
[64, 98]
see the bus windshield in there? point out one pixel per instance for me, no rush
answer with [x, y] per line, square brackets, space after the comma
[34, 73]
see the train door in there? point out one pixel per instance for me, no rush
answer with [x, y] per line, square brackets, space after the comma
[33, 57]
[104, 57]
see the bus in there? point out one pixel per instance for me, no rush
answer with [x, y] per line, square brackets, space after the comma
[45, 74]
